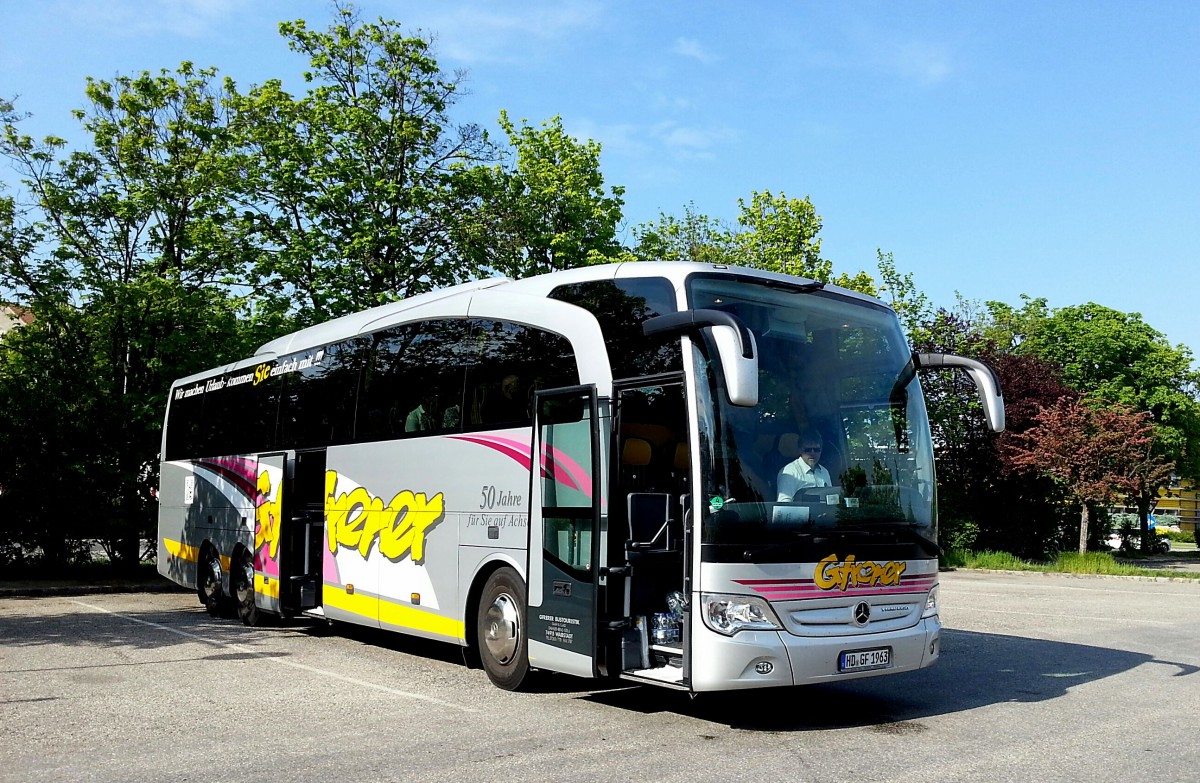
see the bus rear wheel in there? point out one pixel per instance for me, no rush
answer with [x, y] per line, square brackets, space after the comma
[243, 591]
[212, 595]
[500, 630]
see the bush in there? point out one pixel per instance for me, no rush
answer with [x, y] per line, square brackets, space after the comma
[957, 533]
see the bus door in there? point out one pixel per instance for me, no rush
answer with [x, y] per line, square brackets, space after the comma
[565, 531]
[303, 534]
[648, 523]
[268, 517]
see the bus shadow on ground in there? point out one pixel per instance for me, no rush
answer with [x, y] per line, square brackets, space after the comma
[975, 670]
[540, 682]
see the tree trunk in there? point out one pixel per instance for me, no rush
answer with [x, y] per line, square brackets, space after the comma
[1083, 528]
[1143, 506]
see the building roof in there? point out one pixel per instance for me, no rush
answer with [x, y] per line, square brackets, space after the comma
[13, 315]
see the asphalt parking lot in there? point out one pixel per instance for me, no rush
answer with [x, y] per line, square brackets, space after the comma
[1043, 677]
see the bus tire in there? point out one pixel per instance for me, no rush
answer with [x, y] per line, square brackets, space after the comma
[208, 584]
[242, 577]
[501, 630]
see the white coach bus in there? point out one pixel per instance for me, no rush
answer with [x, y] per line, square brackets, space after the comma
[691, 475]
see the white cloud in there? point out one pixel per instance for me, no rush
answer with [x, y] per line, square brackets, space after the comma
[623, 139]
[921, 62]
[900, 54]
[655, 144]
[691, 142]
[132, 18]
[690, 47]
[481, 33]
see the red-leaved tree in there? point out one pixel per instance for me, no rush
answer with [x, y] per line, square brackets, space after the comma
[1097, 453]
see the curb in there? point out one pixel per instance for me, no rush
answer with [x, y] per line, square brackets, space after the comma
[1064, 574]
[40, 591]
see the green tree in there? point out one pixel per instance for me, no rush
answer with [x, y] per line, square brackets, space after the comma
[780, 235]
[694, 237]
[774, 233]
[1118, 357]
[116, 261]
[1008, 327]
[547, 206]
[361, 190]
[900, 291]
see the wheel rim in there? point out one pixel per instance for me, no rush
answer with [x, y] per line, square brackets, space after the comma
[502, 629]
[245, 593]
[212, 579]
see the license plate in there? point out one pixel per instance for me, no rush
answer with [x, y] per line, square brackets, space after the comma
[862, 660]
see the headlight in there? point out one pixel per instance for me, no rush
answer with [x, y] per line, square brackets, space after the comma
[729, 614]
[931, 607]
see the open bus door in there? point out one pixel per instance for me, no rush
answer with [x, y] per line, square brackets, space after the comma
[289, 529]
[565, 532]
[268, 516]
[303, 534]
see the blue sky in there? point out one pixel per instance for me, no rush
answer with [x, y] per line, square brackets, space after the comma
[995, 148]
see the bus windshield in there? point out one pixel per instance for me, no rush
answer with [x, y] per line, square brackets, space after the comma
[839, 440]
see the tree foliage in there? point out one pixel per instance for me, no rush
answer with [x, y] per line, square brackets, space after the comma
[774, 232]
[113, 258]
[1120, 358]
[981, 503]
[362, 190]
[200, 221]
[1095, 453]
[552, 211]
[354, 190]
[694, 237]
[912, 306]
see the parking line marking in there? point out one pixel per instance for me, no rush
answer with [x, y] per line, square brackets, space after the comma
[303, 667]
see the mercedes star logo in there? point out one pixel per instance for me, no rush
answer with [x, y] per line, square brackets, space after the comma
[862, 613]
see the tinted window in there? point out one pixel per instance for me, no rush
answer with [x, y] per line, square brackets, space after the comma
[318, 396]
[185, 417]
[225, 414]
[621, 306]
[513, 361]
[239, 417]
[414, 385]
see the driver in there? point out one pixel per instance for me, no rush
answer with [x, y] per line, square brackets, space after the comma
[805, 471]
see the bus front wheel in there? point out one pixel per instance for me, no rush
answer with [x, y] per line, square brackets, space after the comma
[500, 630]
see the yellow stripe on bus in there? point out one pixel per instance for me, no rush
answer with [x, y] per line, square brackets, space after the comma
[264, 585]
[181, 550]
[402, 615]
[191, 553]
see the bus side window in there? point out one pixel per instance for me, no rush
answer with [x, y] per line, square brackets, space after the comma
[317, 405]
[620, 306]
[514, 361]
[414, 382]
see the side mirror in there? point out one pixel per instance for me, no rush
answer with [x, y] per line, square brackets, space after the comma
[736, 350]
[985, 381]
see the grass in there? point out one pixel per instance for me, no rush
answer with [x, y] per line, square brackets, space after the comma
[1097, 563]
